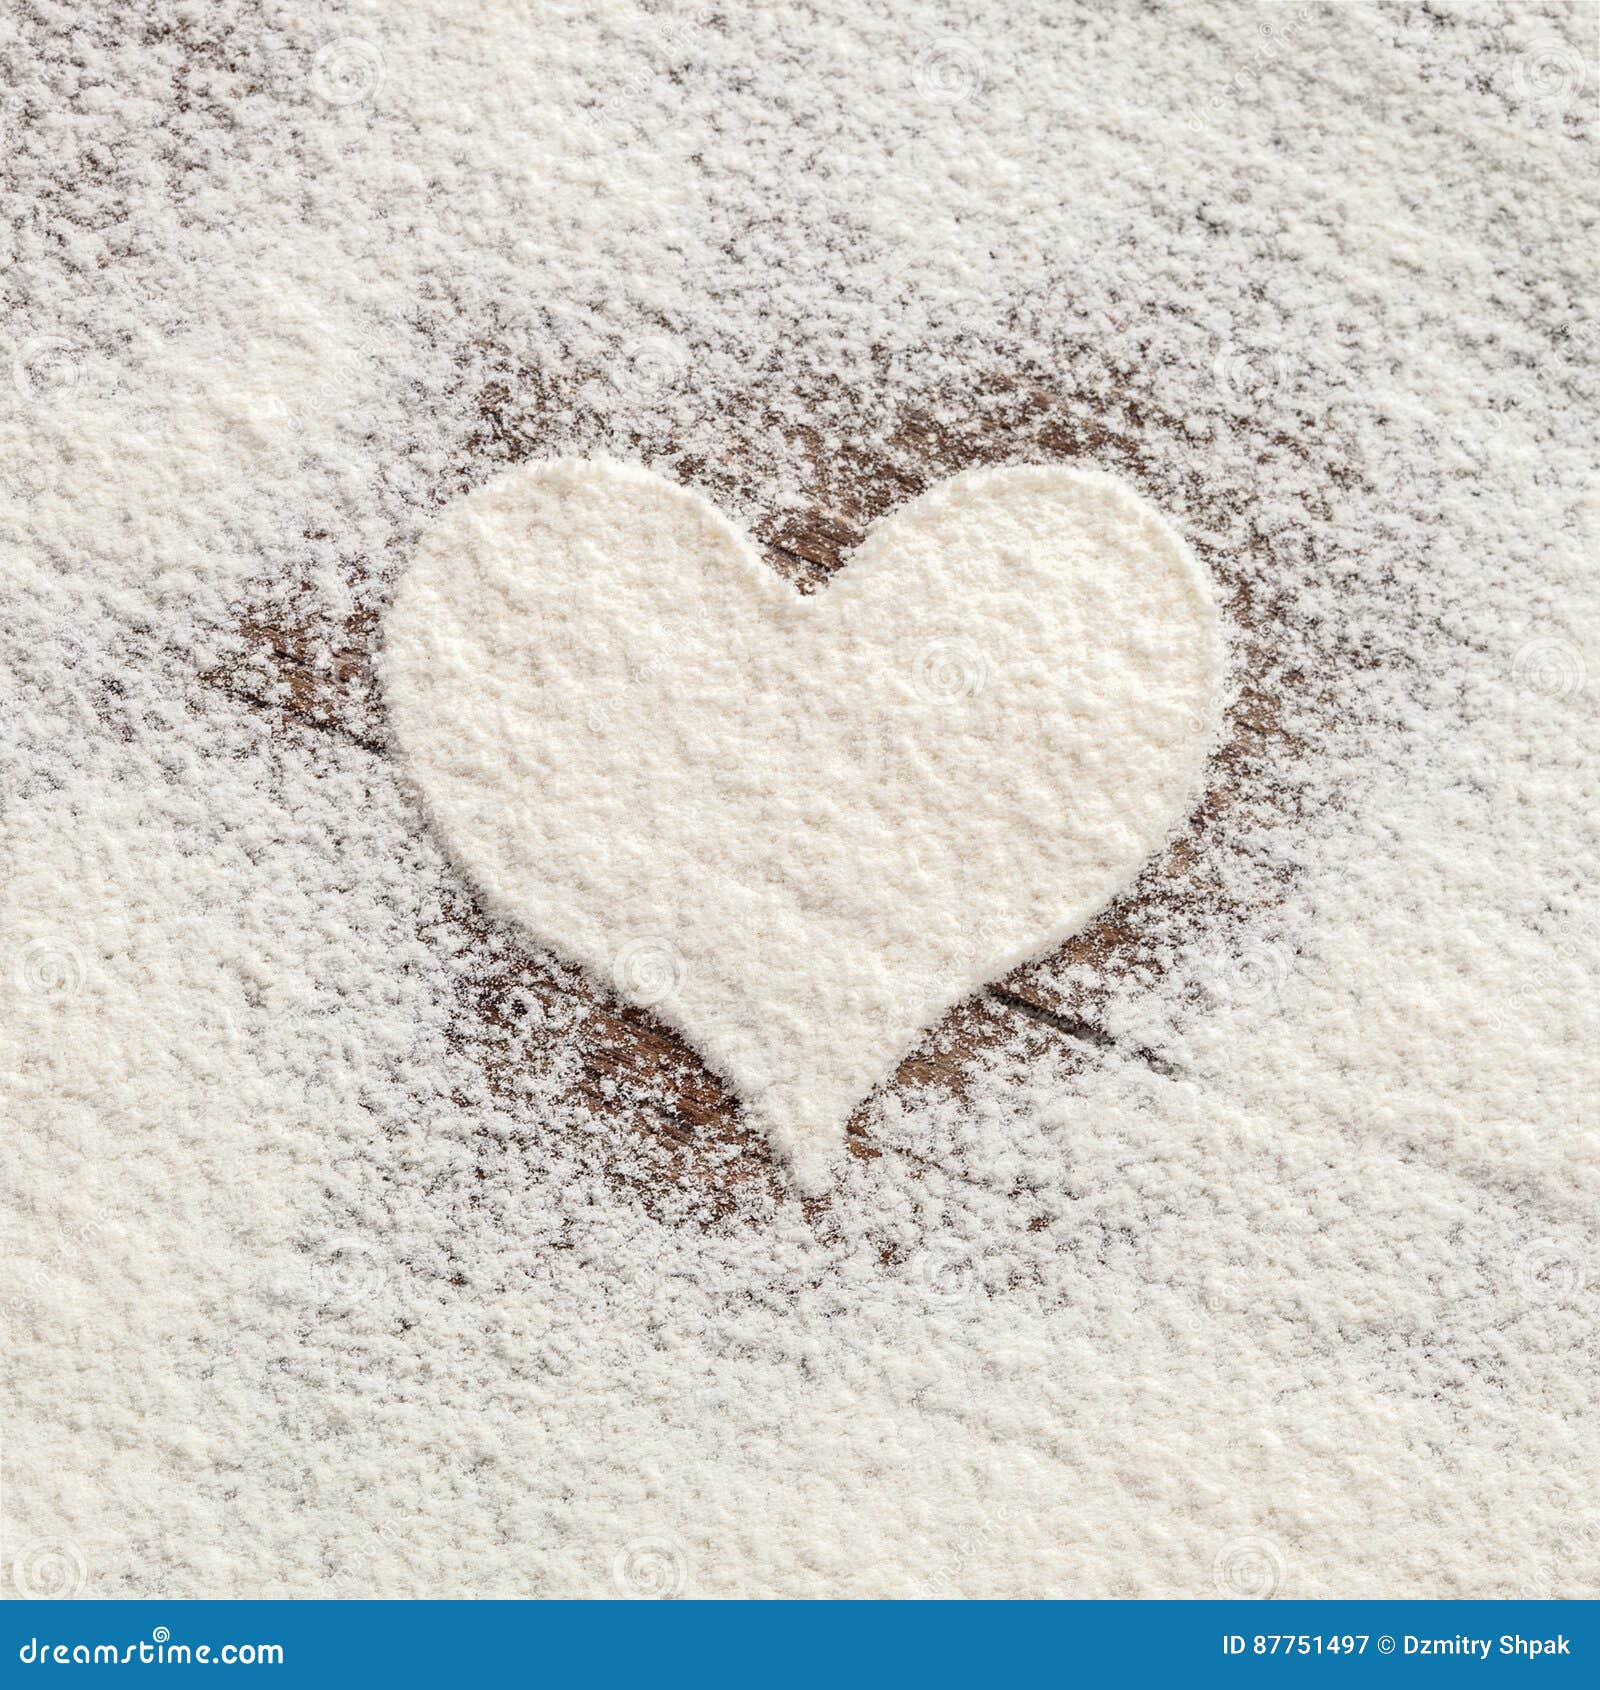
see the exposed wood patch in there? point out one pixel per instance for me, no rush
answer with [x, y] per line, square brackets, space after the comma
[680, 1131]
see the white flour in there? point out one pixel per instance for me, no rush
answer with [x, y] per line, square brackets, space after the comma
[802, 829]
[322, 1284]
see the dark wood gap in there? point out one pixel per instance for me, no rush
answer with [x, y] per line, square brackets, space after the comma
[1075, 1027]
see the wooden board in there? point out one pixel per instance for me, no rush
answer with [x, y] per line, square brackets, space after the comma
[311, 675]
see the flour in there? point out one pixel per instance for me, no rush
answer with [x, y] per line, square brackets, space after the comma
[328, 1279]
[801, 829]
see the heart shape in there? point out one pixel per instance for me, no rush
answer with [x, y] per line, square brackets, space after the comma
[798, 829]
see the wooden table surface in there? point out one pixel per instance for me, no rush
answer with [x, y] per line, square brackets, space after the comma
[683, 1135]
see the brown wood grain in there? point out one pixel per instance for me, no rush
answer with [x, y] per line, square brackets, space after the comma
[680, 1133]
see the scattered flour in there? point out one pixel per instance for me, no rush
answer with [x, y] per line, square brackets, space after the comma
[801, 829]
[321, 1281]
